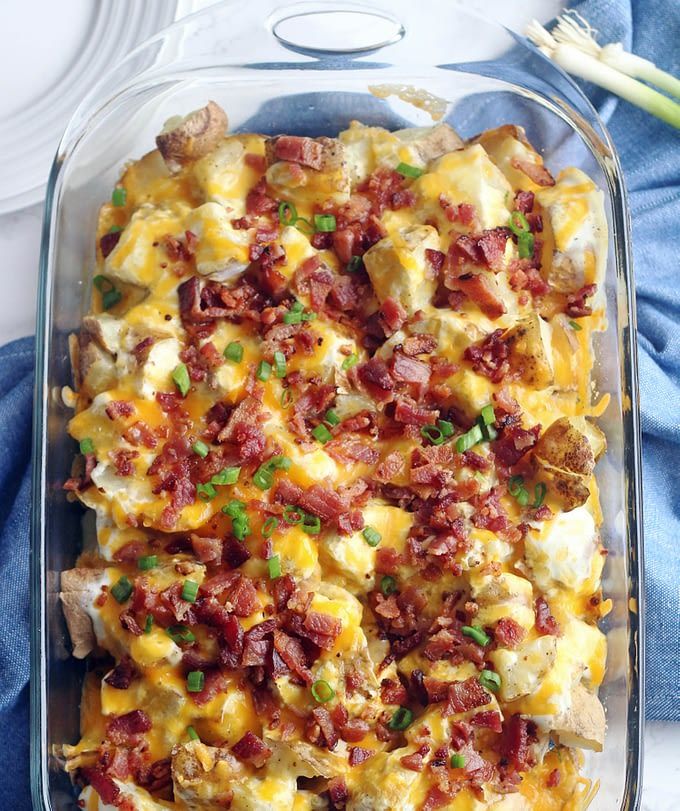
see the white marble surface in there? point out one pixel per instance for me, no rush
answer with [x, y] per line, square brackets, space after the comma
[20, 248]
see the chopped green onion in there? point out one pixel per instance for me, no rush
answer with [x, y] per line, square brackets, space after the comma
[115, 229]
[190, 591]
[469, 439]
[122, 590]
[331, 417]
[200, 449]
[433, 434]
[297, 307]
[539, 495]
[287, 213]
[308, 228]
[148, 624]
[293, 515]
[180, 634]
[401, 720]
[445, 427]
[192, 734]
[519, 223]
[274, 566]
[286, 398]
[180, 377]
[263, 478]
[515, 484]
[269, 526]
[457, 761]
[279, 364]
[234, 351]
[488, 431]
[279, 463]
[488, 415]
[206, 492]
[477, 634]
[292, 318]
[525, 245]
[147, 562]
[228, 475]
[111, 298]
[575, 326]
[310, 316]
[264, 371]
[195, 681]
[322, 434]
[86, 446]
[522, 497]
[103, 284]
[119, 196]
[240, 527]
[372, 536]
[490, 679]
[354, 264]
[388, 585]
[311, 524]
[322, 691]
[234, 508]
[324, 222]
[349, 361]
[406, 170]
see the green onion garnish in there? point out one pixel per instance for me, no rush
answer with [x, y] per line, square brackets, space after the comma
[322, 434]
[324, 222]
[401, 720]
[331, 417]
[228, 475]
[297, 307]
[388, 585]
[477, 634]
[200, 449]
[86, 446]
[519, 223]
[279, 364]
[148, 624]
[457, 761]
[122, 590]
[119, 196]
[115, 229]
[180, 634]
[263, 477]
[234, 351]
[240, 527]
[195, 681]
[515, 484]
[279, 463]
[286, 398]
[304, 226]
[147, 562]
[180, 377]
[264, 371]
[469, 439]
[292, 318]
[539, 495]
[293, 515]
[192, 734]
[372, 536]
[575, 326]
[523, 497]
[349, 361]
[445, 427]
[525, 245]
[274, 566]
[407, 170]
[110, 296]
[206, 492]
[488, 415]
[433, 434]
[234, 508]
[190, 591]
[269, 526]
[354, 264]
[322, 691]
[490, 679]
[287, 213]
[311, 524]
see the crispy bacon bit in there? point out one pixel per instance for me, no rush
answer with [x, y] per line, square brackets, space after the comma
[234, 554]
[320, 729]
[415, 761]
[123, 674]
[292, 653]
[119, 408]
[130, 552]
[576, 302]
[410, 413]
[107, 790]
[390, 467]
[322, 629]
[321, 501]
[122, 727]
[139, 433]
[508, 633]
[207, 550]
[298, 149]
[534, 171]
[376, 377]
[484, 294]
[122, 461]
[409, 370]
[392, 692]
[256, 162]
[337, 793]
[524, 201]
[358, 754]
[465, 695]
[488, 719]
[252, 750]
[420, 344]
[518, 735]
[514, 442]
[141, 350]
[435, 260]
[347, 450]
[285, 492]
[554, 778]
[545, 622]
[108, 242]
[490, 357]
[258, 202]
[392, 316]
[129, 623]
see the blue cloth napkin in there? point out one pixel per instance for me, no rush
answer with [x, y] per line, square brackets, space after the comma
[650, 153]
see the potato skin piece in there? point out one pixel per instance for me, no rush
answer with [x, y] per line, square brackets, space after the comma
[196, 135]
[76, 597]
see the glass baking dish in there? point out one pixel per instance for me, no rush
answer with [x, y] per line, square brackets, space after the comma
[289, 69]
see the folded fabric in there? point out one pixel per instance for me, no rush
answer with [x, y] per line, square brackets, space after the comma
[650, 153]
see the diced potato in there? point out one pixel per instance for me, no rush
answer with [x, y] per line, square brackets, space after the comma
[397, 266]
[306, 187]
[155, 373]
[509, 149]
[584, 723]
[224, 176]
[523, 668]
[222, 251]
[529, 342]
[79, 589]
[506, 595]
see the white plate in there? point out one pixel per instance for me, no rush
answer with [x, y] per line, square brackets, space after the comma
[52, 54]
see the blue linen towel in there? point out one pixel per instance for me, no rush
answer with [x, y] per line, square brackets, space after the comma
[650, 153]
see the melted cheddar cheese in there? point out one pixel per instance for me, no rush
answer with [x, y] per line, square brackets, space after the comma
[333, 402]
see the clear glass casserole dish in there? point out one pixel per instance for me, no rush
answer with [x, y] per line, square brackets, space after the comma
[271, 75]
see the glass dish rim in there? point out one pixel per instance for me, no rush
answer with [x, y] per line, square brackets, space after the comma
[630, 424]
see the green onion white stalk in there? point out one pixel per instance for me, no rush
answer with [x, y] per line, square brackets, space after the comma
[572, 46]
